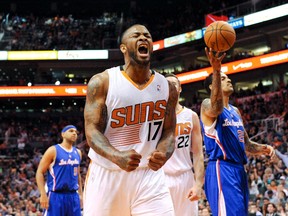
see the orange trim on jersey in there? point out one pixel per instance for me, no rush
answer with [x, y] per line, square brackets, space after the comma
[140, 88]
[180, 111]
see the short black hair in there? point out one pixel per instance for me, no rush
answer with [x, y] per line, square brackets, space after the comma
[123, 34]
[208, 82]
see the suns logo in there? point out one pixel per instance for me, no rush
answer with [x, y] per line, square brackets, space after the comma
[138, 113]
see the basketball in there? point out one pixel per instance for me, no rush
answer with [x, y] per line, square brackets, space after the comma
[220, 36]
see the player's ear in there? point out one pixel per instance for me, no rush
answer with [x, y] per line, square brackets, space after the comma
[123, 48]
[210, 86]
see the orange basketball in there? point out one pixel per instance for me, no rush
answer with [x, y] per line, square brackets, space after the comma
[220, 36]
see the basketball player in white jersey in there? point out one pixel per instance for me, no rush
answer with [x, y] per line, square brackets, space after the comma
[185, 186]
[129, 123]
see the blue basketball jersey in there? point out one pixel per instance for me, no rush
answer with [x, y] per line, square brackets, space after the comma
[226, 186]
[224, 140]
[63, 173]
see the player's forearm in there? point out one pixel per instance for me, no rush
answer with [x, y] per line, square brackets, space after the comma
[198, 163]
[80, 190]
[167, 144]
[40, 180]
[216, 96]
[100, 144]
[256, 149]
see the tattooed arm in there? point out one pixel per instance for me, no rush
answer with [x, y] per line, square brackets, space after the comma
[166, 144]
[213, 106]
[253, 147]
[95, 116]
[258, 149]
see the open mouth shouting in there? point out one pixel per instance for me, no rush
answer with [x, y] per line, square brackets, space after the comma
[143, 50]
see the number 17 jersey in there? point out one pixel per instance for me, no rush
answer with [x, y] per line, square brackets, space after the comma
[135, 115]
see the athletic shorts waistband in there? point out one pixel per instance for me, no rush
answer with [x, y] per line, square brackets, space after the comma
[228, 162]
[64, 191]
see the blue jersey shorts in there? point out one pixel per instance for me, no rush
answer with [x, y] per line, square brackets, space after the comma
[63, 204]
[226, 188]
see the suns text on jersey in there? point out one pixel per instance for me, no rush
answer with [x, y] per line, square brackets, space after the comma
[138, 113]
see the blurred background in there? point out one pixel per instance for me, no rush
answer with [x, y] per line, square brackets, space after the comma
[50, 49]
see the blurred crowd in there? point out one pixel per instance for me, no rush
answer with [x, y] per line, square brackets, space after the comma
[73, 31]
[265, 116]
[57, 33]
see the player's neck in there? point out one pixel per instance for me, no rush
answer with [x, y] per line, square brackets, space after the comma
[226, 101]
[139, 75]
[179, 108]
[66, 145]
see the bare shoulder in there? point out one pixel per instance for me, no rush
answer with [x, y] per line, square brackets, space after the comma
[206, 103]
[236, 109]
[207, 116]
[50, 152]
[51, 149]
[195, 115]
[99, 79]
[98, 84]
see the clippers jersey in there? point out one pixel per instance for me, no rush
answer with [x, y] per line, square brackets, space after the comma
[224, 139]
[63, 172]
[135, 116]
[180, 161]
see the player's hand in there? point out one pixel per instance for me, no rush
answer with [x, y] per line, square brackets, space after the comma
[271, 152]
[156, 160]
[128, 160]
[194, 193]
[44, 201]
[215, 60]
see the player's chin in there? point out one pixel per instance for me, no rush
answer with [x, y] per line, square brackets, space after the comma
[229, 90]
[143, 59]
[73, 139]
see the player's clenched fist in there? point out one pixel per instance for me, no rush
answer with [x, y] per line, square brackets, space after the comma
[156, 160]
[127, 160]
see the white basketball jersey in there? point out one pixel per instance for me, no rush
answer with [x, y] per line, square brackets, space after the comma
[135, 115]
[180, 161]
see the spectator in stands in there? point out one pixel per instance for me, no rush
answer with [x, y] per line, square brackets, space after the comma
[254, 210]
[271, 210]
[283, 157]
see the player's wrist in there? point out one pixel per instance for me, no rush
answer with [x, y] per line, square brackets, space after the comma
[115, 156]
[268, 149]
